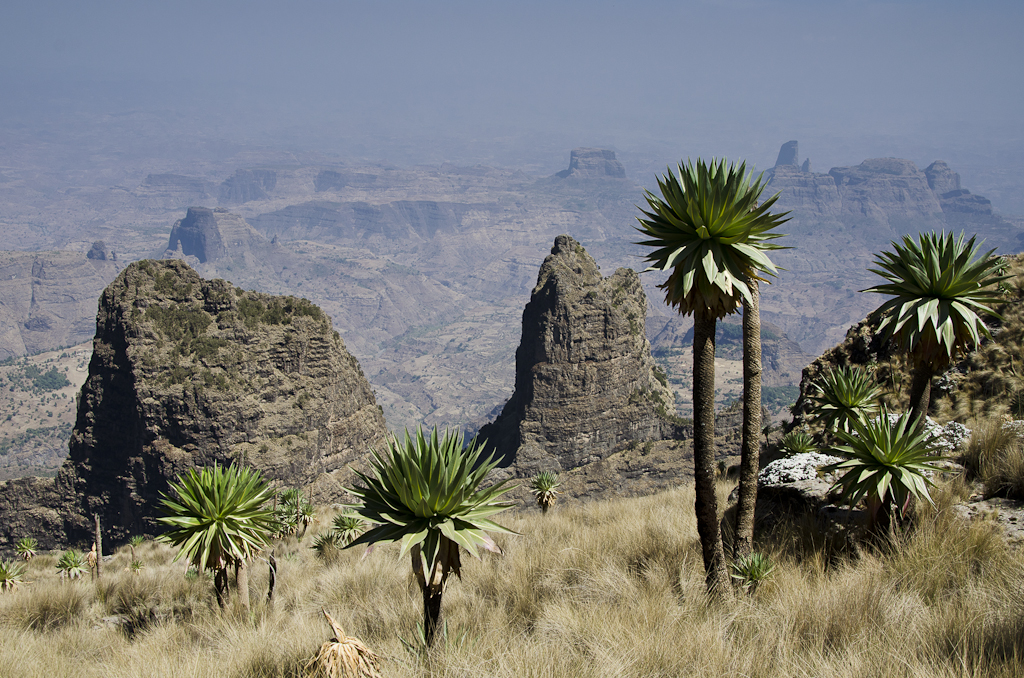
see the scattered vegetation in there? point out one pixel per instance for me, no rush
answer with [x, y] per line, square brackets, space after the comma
[597, 589]
[12, 575]
[26, 548]
[217, 517]
[72, 564]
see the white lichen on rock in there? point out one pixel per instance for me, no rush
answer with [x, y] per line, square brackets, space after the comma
[798, 467]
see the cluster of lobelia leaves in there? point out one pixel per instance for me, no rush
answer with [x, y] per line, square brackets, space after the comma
[424, 492]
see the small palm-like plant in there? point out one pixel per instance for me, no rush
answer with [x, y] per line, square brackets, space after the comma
[425, 492]
[842, 395]
[545, 488]
[940, 290]
[798, 442]
[26, 548]
[218, 517]
[751, 570]
[72, 564]
[348, 527]
[12, 574]
[887, 464]
[326, 545]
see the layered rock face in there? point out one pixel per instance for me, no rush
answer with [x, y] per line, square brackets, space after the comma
[591, 163]
[248, 185]
[187, 372]
[212, 234]
[585, 380]
[47, 298]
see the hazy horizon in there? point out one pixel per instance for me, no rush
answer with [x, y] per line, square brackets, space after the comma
[521, 84]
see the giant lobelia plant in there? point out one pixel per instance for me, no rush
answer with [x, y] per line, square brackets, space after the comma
[887, 463]
[219, 517]
[708, 230]
[843, 395]
[941, 289]
[425, 493]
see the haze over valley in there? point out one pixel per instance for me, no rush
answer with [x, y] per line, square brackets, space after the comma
[413, 192]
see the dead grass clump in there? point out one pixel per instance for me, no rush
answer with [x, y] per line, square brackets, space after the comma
[995, 456]
[46, 605]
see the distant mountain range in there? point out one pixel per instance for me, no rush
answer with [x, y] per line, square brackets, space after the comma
[425, 271]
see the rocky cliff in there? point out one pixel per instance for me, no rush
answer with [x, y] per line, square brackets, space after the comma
[187, 372]
[47, 298]
[586, 385]
[593, 163]
[211, 235]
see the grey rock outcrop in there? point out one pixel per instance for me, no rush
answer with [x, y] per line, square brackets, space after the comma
[591, 163]
[187, 372]
[48, 298]
[210, 235]
[330, 180]
[941, 178]
[806, 167]
[585, 381]
[889, 195]
[174, 191]
[789, 154]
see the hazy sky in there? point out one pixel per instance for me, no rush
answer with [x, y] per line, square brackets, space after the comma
[488, 81]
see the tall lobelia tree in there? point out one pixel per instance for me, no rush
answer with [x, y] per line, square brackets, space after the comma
[709, 231]
[940, 290]
[425, 493]
[219, 517]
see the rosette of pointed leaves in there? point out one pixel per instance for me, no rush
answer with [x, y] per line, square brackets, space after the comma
[26, 548]
[425, 493]
[428, 488]
[544, 487]
[12, 574]
[708, 229]
[348, 527]
[941, 288]
[218, 515]
[887, 462]
[842, 395]
[798, 442]
[72, 564]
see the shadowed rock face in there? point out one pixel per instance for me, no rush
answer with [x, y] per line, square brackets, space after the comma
[789, 154]
[212, 234]
[585, 384]
[186, 373]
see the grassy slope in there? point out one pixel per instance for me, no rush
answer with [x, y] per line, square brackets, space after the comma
[609, 588]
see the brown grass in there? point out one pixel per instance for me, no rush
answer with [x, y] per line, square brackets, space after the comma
[601, 589]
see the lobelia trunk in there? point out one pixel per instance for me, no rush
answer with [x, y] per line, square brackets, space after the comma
[751, 446]
[706, 504]
[220, 586]
[242, 583]
[272, 561]
[920, 393]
